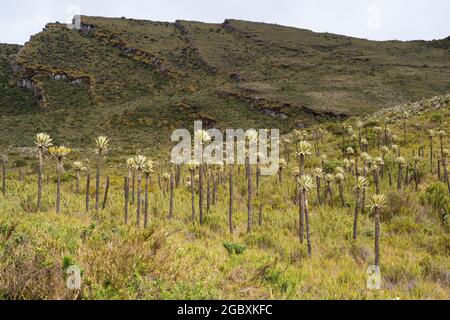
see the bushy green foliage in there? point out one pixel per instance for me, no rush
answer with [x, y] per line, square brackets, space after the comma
[436, 195]
[234, 248]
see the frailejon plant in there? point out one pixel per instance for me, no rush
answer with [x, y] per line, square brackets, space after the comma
[303, 150]
[78, 167]
[317, 173]
[102, 144]
[306, 184]
[42, 142]
[131, 177]
[252, 137]
[339, 177]
[59, 153]
[193, 167]
[377, 204]
[360, 185]
[140, 163]
[431, 135]
[401, 163]
[202, 137]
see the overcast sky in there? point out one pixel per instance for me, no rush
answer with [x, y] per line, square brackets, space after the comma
[372, 19]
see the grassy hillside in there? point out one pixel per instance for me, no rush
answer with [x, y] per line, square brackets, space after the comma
[180, 259]
[136, 80]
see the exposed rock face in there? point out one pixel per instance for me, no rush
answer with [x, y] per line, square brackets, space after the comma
[135, 53]
[25, 83]
[187, 37]
[236, 77]
[87, 29]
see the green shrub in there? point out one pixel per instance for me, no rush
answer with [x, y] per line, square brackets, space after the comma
[437, 197]
[436, 118]
[234, 248]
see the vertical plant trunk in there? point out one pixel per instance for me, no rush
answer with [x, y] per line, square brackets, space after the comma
[172, 185]
[249, 198]
[97, 187]
[200, 192]
[355, 220]
[363, 201]
[301, 202]
[230, 208]
[301, 227]
[77, 186]
[377, 237]
[376, 179]
[88, 187]
[446, 174]
[431, 155]
[399, 178]
[40, 176]
[126, 186]
[260, 215]
[214, 190]
[280, 176]
[133, 186]
[258, 178]
[4, 177]
[208, 190]
[406, 176]
[341, 194]
[146, 203]
[178, 176]
[105, 198]
[416, 182]
[439, 170]
[193, 195]
[58, 189]
[308, 234]
[319, 199]
[139, 203]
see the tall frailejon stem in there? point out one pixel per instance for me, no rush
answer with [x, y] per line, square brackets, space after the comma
[105, 197]
[306, 184]
[249, 197]
[88, 186]
[147, 184]
[378, 202]
[172, 186]
[102, 144]
[42, 142]
[4, 161]
[59, 153]
[201, 137]
[139, 165]
[200, 192]
[126, 186]
[431, 135]
[230, 208]
[361, 183]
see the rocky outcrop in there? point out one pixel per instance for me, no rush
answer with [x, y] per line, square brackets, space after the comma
[196, 51]
[136, 54]
[276, 108]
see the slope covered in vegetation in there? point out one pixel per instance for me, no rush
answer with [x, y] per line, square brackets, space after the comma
[117, 74]
[176, 257]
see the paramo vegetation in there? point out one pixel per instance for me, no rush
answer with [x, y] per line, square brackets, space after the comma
[369, 191]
